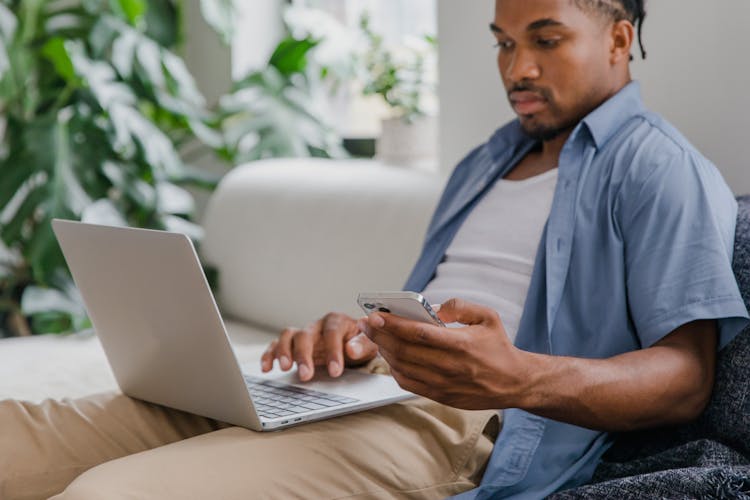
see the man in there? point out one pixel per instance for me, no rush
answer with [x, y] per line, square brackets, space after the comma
[631, 292]
[617, 313]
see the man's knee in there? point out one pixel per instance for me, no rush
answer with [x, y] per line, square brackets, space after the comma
[85, 487]
[44, 446]
[417, 447]
[200, 467]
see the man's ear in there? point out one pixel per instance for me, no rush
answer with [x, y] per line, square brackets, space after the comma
[622, 36]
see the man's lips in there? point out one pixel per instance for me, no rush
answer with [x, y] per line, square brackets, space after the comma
[527, 103]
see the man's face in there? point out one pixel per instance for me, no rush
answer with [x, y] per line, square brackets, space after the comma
[554, 60]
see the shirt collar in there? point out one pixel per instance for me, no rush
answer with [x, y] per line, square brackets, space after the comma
[507, 140]
[610, 116]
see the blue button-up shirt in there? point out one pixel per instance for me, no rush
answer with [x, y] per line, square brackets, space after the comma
[639, 241]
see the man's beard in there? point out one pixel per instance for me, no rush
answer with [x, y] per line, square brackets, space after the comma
[546, 133]
[541, 132]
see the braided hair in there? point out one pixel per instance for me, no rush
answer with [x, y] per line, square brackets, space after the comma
[619, 10]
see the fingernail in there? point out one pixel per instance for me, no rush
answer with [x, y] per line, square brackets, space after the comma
[355, 348]
[285, 362]
[304, 372]
[333, 369]
[377, 321]
[362, 325]
[265, 365]
[436, 307]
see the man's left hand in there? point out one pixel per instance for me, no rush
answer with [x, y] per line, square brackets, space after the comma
[473, 367]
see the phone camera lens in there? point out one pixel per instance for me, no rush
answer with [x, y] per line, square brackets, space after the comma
[369, 306]
[384, 309]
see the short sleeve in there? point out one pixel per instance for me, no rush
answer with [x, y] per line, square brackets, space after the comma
[677, 224]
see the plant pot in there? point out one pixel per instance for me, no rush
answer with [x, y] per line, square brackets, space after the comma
[408, 144]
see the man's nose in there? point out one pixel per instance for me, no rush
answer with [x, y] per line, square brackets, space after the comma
[522, 66]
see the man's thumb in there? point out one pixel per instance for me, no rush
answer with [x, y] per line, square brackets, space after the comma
[466, 313]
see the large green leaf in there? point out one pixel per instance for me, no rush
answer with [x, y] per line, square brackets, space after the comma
[129, 184]
[269, 116]
[30, 19]
[165, 76]
[26, 170]
[57, 309]
[290, 56]
[38, 300]
[100, 78]
[68, 194]
[132, 10]
[173, 199]
[132, 132]
[132, 128]
[54, 51]
[123, 51]
[67, 21]
[104, 212]
[22, 214]
[163, 22]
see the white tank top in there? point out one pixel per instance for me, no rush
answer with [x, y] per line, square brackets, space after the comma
[492, 256]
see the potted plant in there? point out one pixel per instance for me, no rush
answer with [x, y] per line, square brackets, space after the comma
[404, 77]
[271, 113]
[94, 106]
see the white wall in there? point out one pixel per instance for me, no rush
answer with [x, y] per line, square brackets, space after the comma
[207, 58]
[472, 101]
[697, 75]
[259, 30]
[210, 62]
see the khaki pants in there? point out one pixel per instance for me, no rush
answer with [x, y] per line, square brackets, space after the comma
[111, 447]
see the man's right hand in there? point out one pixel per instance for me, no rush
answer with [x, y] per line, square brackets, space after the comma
[333, 341]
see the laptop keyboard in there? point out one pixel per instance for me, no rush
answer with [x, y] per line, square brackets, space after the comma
[274, 399]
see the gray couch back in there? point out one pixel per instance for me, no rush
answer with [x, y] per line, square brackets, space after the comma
[727, 417]
[742, 248]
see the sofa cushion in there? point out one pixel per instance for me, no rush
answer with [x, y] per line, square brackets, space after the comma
[293, 239]
[706, 458]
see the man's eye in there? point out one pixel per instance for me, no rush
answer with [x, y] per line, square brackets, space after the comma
[503, 44]
[547, 43]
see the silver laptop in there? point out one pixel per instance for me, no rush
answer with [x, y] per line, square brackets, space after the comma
[161, 330]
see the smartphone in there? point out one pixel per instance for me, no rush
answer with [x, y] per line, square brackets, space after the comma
[410, 305]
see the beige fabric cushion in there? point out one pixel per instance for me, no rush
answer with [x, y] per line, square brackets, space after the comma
[74, 366]
[294, 239]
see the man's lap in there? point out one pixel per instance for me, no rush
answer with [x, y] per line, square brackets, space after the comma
[419, 447]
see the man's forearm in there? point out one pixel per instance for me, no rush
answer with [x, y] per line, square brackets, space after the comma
[667, 383]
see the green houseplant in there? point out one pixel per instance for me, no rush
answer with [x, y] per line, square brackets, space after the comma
[270, 113]
[403, 76]
[94, 106]
[95, 111]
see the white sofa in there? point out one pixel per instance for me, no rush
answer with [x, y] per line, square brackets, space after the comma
[291, 240]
